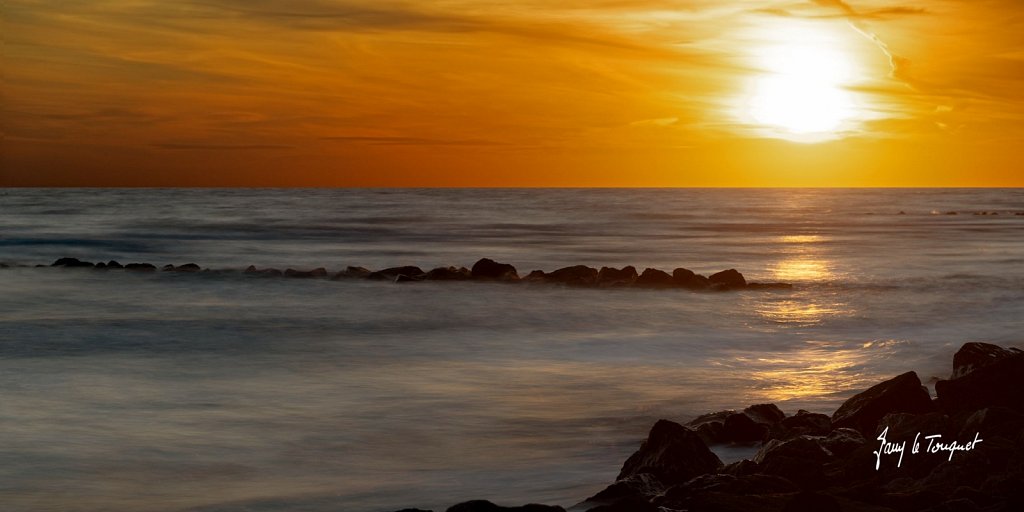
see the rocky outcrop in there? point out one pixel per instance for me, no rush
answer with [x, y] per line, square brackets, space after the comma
[577, 275]
[306, 274]
[903, 393]
[981, 373]
[70, 262]
[489, 269]
[486, 506]
[653, 278]
[727, 280]
[449, 274]
[609, 276]
[672, 454]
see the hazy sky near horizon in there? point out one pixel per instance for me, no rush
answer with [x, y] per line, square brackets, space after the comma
[513, 93]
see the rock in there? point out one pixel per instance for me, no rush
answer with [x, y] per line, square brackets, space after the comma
[800, 460]
[975, 355]
[728, 280]
[739, 428]
[352, 273]
[489, 269]
[903, 393]
[114, 264]
[993, 421]
[306, 274]
[609, 276]
[843, 441]
[267, 272]
[536, 276]
[390, 274]
[627, 504]
[653, 278]
[643, 486]
[188, 267]
[685, 278]
[808, 501]
[402, 278]
[413, 510]
[140, 267]
[70, 262]
[671, 453]
[578, 275]
[486, 506]
[449, 274]
[765, 414]
[985, 377]
[801, 423]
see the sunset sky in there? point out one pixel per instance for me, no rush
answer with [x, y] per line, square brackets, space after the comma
[513, 93]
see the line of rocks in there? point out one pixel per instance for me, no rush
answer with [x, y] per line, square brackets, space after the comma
[484, 270]
[820, 463]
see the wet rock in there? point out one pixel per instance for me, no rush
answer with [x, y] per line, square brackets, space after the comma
[765, 414]
[685, 278]
[266, 272]
[306, 274]
[739, 428]
[535, 276]
[627, 504]
[449, 274]
[188, 267]
[727, 280]
[993, 422]
[486, 506]
[489, 269]
[800, 460]
[140, 267]
[643, 486]
[402, 278]
[987, 377]
[609, 276]
[70, 262]
[114, 264]
[975, 355]
[653, 278]
[843, 441]
[577, 275]
[801, 423]
[351, 272]
[672, 454]
[390, 274]
[903, 393]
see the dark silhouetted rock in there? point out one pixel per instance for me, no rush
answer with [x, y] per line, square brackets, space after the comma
[800, 460]
[577, 275]
[685, 278]
[727, 280]
[489, 269]
[627, 504]
[903, 393]
[671, 453]
[974, 355]
[801, 423]
[609, 276]
[402, 278]
[535, 276]
[188, 267]
[765, 414]
[306, 274]
[449, 274]
[389, 274]
[642, 486]
[413, 510]
[114, 264]
[843, 441]
[486, 506]
[266, 272]
[70, 262]
[986, 376]
[352, 273]
[100, 266]
[739, 428]
[812, 501]
[140, 267]
[167, 268]
[653, 278]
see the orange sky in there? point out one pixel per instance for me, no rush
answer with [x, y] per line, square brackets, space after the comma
[513, 93]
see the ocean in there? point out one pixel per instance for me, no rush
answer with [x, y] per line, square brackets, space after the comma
[225, 392]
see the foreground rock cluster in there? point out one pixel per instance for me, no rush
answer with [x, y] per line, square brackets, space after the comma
[819, 463]
[483, 270]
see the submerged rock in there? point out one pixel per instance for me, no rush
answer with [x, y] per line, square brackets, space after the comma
[70, 262]
[487, 506]
[489, 269]
[449, 274]
[685, 278]
[672, 454]
[317, 272]
[903, 393]
[140, 267]
[390, 274]
[609, 276]
[352, 273]
[577, 275]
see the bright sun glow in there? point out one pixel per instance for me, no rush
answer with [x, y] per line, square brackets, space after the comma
[802, 91]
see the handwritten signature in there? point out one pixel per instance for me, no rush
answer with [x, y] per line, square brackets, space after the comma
[935, 445]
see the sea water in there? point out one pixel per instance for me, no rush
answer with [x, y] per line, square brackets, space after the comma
[224, 392]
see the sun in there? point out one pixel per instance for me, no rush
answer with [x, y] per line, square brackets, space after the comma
[802, 92]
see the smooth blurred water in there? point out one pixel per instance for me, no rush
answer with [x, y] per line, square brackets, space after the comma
[173, 392]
